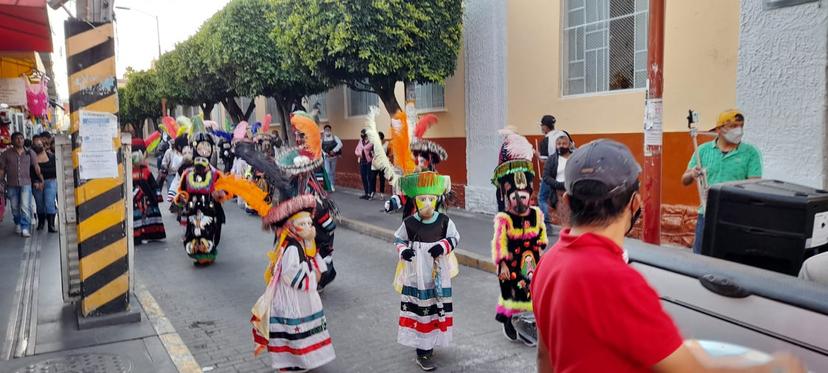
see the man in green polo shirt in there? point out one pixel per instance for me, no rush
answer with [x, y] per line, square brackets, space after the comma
[724, 159]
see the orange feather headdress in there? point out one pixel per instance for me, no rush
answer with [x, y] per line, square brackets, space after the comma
[400, 142]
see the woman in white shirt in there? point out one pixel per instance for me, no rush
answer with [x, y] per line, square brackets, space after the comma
[553, 173]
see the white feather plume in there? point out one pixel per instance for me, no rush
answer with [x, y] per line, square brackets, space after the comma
[381, 160]
[517, 146]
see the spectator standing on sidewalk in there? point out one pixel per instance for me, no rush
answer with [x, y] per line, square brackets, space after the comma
[594, 312]
[365, 154]
[45, 193]
[724, 159]
[332, 149]
[553, 175]
[15, 165]
[546, 148]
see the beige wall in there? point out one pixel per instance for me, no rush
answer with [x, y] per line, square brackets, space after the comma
[701, 38]
[452, 119]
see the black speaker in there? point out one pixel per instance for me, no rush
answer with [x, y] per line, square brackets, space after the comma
[769, 224]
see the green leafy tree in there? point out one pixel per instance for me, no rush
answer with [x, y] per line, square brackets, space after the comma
[140, 99]
[185, 79]
[372, 45]
[250, 61]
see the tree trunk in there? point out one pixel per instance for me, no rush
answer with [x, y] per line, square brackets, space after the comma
[233, 109]
[385, 90]
[283, 104]
[250, 109]
[207, 108]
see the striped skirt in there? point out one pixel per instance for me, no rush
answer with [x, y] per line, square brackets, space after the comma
[426, 310]
[298, 330]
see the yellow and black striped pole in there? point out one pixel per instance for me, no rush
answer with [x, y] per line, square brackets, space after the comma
[100, 203]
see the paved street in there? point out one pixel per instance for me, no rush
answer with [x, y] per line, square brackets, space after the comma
[210, 307]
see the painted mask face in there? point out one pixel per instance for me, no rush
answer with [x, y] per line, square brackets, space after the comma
[519, 202]
[302, 226]
[204, 149]
[423, 162]
[187, 152]
[426, 204]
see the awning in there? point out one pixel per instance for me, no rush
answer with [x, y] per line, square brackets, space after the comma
[24, 26]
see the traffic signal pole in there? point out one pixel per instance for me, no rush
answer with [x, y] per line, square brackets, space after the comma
[653, 130]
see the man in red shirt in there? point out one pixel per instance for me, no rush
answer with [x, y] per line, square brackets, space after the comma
[594, 312]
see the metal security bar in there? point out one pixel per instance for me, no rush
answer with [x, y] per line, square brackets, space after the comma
[67, 221]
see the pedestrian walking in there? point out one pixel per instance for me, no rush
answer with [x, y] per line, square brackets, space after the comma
[519, 234]
[16, 179]
[554, 176]
[726, 158]
[332, 150]
[365, 155]
[45, 194]
[594, 312]
[424, 243]
[546, 148]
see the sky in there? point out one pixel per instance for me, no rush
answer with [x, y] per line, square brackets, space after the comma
[136, 43]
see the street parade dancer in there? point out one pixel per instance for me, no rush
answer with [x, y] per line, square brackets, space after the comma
[424, 242]
[201, 192]
[519, 233]
[146, 216]
[288, 319]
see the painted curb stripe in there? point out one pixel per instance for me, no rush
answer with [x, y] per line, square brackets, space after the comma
[95, 281]
[101, 240]
[90, 56]
[100, 203]
[178, 351]
[91, 206]
[110, 291]
[108, 217]
[99, 260]
[82, 40]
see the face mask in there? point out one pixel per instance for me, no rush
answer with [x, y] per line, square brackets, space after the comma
[734, 135]
[563, 151]
[425, 206]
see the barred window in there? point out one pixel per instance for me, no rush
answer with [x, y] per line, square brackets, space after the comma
[430, 96]
[358, 102]
[604, 45]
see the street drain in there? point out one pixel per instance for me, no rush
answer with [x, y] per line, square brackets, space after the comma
[81, 363]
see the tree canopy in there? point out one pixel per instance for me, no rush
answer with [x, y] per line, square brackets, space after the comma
[289, 49]
[140, 99]
[371, 46]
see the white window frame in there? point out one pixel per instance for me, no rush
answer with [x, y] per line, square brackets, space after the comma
[564, 43]
[347, 96]
[432, 109]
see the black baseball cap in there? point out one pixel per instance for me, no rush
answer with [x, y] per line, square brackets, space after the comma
[549, 121]
[606, 161]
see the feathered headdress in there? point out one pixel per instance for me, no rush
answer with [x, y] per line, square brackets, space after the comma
[276, 177]
[514, 170]
[240, 131]
[430, 149]
[313, 138]
[302, 159]
[185, 125]
[400, 143]
[381, 161]
[152, 141]
[170, 127]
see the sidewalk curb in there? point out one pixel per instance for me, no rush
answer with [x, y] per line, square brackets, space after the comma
[464, 257]
[175, 347]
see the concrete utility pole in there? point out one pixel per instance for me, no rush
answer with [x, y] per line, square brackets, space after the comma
[100, 171]
[653, 131]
